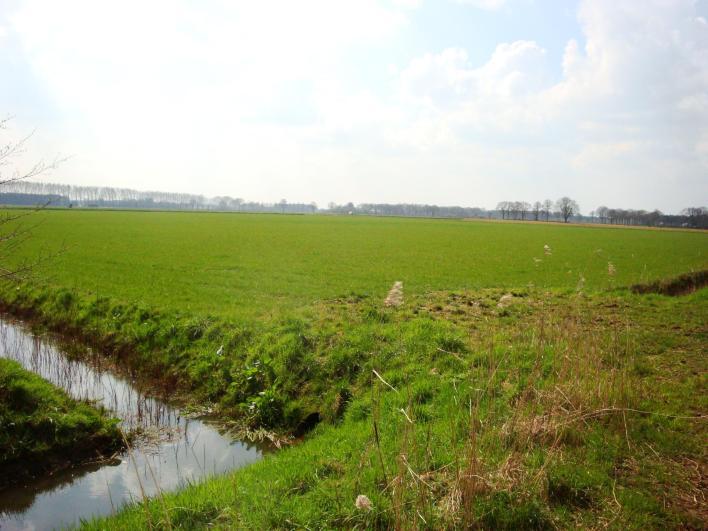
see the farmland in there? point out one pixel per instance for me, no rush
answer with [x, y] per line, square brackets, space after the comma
[519, 384]
[245, 266]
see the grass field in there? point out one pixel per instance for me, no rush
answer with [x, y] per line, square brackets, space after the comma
[240, 266]
[513, 388]
[42, 429]
[558, 411]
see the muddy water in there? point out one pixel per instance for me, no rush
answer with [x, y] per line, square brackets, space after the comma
[178, 451]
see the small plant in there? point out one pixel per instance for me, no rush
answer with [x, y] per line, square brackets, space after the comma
[250, 380]
[265, 409]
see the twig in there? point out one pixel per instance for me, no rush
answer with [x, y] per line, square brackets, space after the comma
[606, 411]
[384, 381]
[455, 354]
[405, 415]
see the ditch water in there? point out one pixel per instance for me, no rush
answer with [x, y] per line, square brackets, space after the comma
[177, 452]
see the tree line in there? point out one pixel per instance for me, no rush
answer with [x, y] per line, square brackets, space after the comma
[565, 209]
[407, 209]
[694, 217]
[70, 196]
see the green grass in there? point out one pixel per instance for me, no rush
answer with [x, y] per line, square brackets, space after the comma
[42, 429]
[524, 417]
[243, 266]
[563, 409]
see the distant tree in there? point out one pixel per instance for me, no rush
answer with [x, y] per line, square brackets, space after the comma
[525, 209]
[537, 209]
[652, 218]
[601, 212]
[236, 203]
[515, 207]
[547, 208]
[222, 203]
[567, 208]
[613, 215]
[697, 216]
[283, 204]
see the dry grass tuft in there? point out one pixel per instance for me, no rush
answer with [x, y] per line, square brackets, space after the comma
[395, 295]
[505, 301]
[510, 474]
[578, 379]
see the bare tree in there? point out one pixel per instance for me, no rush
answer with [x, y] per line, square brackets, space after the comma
[515, 208]
[525, 208]
[602, 213]
[567, 208]
[537, 209]
[13, 227]
[547, 206]
[697, 216]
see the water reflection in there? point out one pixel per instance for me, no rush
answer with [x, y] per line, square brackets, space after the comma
[181, 450]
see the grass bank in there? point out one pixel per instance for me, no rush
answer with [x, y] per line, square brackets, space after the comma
[535, 410]
[42, 429]
[257, 374]
[565, 402]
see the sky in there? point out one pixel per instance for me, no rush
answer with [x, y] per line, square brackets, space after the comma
[451, 102]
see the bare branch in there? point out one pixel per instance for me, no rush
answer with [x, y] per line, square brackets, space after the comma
[17, 232]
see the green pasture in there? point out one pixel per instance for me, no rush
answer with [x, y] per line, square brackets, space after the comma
[241, 265]
[513, 388]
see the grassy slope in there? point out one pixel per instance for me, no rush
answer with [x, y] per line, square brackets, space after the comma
[41, 428]
[173, 288]
[530, 416]
[296, 303]
[241, 266]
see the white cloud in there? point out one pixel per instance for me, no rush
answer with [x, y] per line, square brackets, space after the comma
[171, 88]
[255, 93]
[85, 50]
[513, 71]
[409, 4]
[490, 5]
[632, 101]
[451, 95]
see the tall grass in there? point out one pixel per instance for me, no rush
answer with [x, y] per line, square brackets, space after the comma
[560, 410]
[569, 381]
